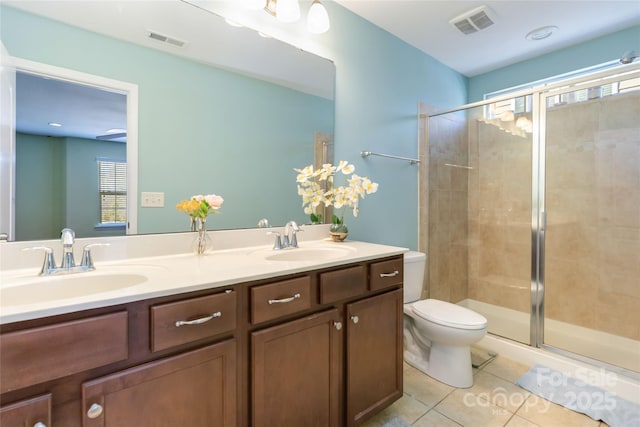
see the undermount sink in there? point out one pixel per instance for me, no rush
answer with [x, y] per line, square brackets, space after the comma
[307, 254]
[33, 290]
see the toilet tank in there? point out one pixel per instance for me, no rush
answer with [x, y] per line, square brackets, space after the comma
[414, 263]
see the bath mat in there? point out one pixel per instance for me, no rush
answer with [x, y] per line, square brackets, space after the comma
[481, 356]
[396, 422]
[581, 397]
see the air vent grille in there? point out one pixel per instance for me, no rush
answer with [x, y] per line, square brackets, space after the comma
[166, 39]
[473, 20]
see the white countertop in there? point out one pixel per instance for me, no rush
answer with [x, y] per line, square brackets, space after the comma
[174, 274]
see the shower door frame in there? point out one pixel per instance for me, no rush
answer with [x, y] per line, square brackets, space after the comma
[539, 95]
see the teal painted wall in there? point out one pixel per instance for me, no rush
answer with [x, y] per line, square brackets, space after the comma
[57, 185]
[194, 124]
[82, 204]
[379, 82]
[39, 182]
[583, 55]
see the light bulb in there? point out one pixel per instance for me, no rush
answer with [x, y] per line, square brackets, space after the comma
[318, 18]
[287, 10]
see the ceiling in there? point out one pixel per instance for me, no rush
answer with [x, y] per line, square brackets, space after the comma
[425, 25]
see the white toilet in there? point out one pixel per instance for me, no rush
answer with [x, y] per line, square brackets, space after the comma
[437, 334]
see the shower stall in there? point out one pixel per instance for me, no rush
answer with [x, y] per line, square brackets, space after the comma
[533, 213]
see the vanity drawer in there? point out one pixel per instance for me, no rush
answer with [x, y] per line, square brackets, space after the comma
[193, 319]
[386, 273]
[27, 412]
[342, 284]
[280, 299]
[36, 355]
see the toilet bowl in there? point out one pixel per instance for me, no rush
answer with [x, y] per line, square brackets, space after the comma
[437, 334]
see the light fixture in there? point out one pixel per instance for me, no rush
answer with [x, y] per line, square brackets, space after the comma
[287, 10]
[270, 7]
[541, 33]
[507, 116]
[318, 18]
[55, 124]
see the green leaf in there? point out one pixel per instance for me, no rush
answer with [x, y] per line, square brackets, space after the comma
[316, 218]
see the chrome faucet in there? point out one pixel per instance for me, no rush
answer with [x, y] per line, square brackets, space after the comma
[68, 265]
[68, 238]
[290, 229]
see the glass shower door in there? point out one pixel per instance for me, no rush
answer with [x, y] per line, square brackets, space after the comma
[592, 234]
[480, 163]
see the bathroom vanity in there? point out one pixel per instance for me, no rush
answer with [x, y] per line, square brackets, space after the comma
[282, 343]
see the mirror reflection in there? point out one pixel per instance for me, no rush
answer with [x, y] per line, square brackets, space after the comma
[203, 127]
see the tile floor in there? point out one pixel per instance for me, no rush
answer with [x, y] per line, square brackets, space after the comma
[494, 400]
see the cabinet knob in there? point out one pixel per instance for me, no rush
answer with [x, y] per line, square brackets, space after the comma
[94, 411]
[355, 319]
[337, 325]
[39, 424]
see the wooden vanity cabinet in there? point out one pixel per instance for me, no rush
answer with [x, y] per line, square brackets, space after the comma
[34, 412]
[373, 354]
[297, 372]
[337, 366]
[195, 389]
[316, 348]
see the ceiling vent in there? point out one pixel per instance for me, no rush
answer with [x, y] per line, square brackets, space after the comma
[166, 39]
[473, 21]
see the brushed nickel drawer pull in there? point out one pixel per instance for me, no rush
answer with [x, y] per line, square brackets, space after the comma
[394, 274]
[274, 301]
[198, 321]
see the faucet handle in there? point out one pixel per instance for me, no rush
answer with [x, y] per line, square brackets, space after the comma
[49, 263]
[277, 245]
[294, 238]
[87, 261]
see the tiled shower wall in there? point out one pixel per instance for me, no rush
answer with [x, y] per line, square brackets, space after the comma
[499, 217]
[447, 258]
[593, 212]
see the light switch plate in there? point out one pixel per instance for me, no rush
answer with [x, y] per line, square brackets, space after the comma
[152, 200]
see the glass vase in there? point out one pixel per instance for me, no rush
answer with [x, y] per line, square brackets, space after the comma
[202, 242]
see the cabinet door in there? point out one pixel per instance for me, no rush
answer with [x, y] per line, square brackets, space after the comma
[374, 355]
[296, 372]
[34, 412]
[195, 389]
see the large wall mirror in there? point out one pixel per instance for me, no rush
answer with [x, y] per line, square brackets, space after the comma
[227, 112]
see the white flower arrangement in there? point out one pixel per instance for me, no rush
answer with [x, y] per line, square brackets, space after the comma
[318, 187]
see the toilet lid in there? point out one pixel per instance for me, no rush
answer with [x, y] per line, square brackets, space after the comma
[448, 314]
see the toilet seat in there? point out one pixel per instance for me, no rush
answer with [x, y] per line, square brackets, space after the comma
[448, 314]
